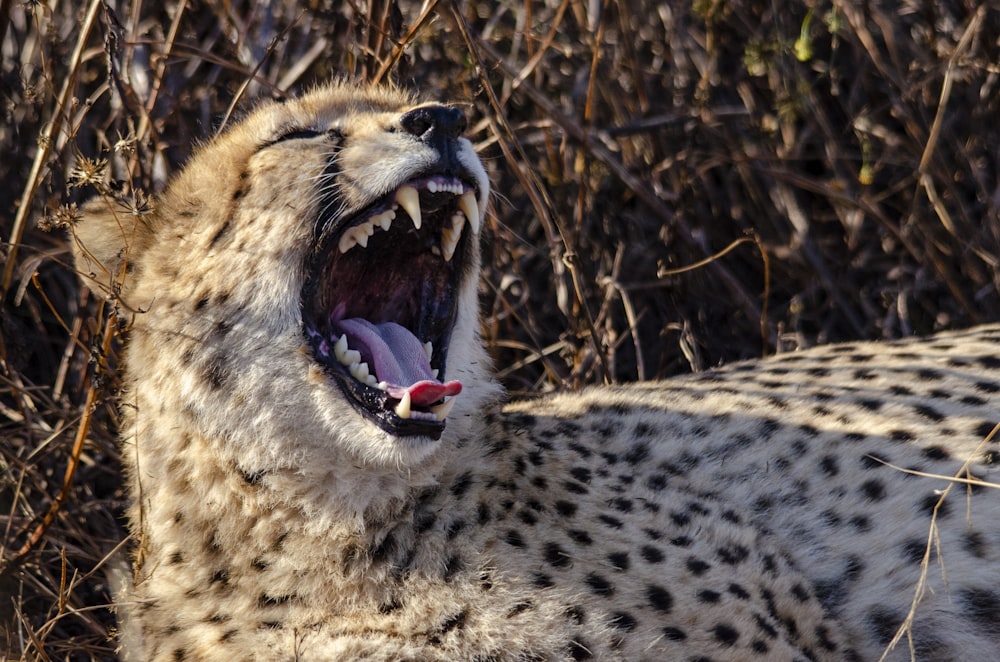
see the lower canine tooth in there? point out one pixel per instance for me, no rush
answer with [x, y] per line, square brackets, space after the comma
[403, 408]
[467, 203]
[409, 199]
[442, 410]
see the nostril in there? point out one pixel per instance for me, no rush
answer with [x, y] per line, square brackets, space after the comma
[429, 122]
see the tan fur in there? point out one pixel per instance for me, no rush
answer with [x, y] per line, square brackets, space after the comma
[735, 515]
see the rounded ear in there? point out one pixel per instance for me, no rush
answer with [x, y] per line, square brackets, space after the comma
[107, 243]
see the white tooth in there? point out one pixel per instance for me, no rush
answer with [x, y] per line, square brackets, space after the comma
[347, 242]
[432, 186]
[442, 410]
[384, 220]
[467, 203]
[434, 373]
[340, 348]
[403, 408]
[436, 251]
[361, 237]
[369, 228]
[428, 349]
[371, 381]
[409, 199]
[449, 242]
[382, 386]
[359, 371]
[351, 357]
[457, 223]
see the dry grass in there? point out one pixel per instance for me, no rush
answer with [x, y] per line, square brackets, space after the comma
[847, 157]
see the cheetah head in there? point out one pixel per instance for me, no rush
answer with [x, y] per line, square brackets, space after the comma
[311, 275]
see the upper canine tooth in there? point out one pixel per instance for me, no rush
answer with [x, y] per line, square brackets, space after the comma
[409, 199]
[467, 203]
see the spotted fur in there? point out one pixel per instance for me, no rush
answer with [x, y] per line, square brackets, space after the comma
[771, 510]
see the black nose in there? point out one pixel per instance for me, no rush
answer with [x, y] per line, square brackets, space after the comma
[434, 123]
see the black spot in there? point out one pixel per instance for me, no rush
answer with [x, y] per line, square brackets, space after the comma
[936, 453]
[520, 608]
[483, 514]
[424, 521]
[800, 592]
[252, 477]
[900, 390]
[619, 561]
[578, 650]
[861, 523]
[540, 482]
[179, 654]
[991, 362]
[580, 536]
[732, 554]
[828, 464]
[932, 501]
[982, 606]
[765, 626]
[620, 504]
[638, 452]
[220, 233]
[870, 404]
[527, 517]
[913, 550]
[659, 598]
[709, 596]
[680, 519]
[566, 508]
[454, 528]
[987, 387]
[176, 558]
[681, 541]
[514, 539]
[574, 487]
[929, 413]
[540, 580]
[580, 450]
[613, 522]
[453, 565]
[725, 634]
[696, 566]
[674, 634]
[220, 577]
[576, 614]
[555, 555]
[622, 620]
[599, 585]
[739, 591]
[264, 600]
[984, 429]
[883, 624]
[873, 489]
[461, 485]
[656, 482]
[973, 400]
[651, 554]
[456, 622]
[390, 607]
[901, 435]
[974, 544]
[215, 371]
[759, 646]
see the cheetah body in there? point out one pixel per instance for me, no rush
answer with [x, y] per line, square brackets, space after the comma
[768, 510]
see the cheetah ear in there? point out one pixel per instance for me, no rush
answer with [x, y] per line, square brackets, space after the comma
[107, 243]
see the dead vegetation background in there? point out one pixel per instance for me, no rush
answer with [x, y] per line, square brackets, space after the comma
[839, 161]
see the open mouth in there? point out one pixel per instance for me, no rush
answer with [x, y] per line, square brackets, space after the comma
[380, 302]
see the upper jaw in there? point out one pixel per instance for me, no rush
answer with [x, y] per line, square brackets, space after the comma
[381, 300]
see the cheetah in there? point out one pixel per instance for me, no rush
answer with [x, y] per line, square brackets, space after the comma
[322, 467]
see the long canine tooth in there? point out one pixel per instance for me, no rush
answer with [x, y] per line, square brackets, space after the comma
[467, 203]
[409, 199]
[428, 349]
[403, 408]
[450, 236]
[442, 410]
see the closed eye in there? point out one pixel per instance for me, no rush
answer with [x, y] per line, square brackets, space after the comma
[296, 134]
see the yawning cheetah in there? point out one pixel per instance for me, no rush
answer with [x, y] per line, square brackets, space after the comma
[322, 468]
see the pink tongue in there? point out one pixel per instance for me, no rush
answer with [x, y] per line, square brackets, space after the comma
[396, 357]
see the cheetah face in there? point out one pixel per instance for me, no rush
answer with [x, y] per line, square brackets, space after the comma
[381, 296]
